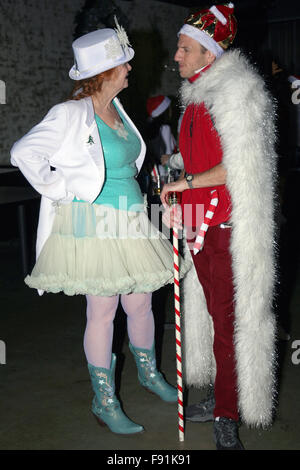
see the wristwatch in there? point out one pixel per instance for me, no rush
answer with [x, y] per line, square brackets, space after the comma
[189, 178]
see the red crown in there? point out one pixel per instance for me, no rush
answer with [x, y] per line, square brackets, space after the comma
[218, 22]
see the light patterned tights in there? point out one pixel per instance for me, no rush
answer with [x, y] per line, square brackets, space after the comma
[101, 312]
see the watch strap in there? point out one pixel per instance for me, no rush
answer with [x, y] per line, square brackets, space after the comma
[189, 182]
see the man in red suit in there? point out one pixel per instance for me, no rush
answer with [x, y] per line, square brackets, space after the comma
[229, 168]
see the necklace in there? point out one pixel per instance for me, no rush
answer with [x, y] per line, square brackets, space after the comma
[121, 131]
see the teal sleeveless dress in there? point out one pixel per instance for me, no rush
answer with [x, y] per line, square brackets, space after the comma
[108, 247]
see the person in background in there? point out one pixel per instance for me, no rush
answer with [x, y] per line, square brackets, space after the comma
[172, 160]
[160, 139]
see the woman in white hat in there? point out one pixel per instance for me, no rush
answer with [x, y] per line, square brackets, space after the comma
[94, 237]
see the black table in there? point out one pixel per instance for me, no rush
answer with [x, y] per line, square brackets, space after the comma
[19, 196]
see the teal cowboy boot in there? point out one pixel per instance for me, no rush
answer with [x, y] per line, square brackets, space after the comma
[106, 407]
[149, 376]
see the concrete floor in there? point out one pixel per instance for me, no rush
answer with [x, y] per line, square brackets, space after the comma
[45, 388]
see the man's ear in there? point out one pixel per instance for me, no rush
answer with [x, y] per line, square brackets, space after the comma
[210, 57]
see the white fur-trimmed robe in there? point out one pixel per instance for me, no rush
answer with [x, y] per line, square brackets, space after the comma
[242, 112]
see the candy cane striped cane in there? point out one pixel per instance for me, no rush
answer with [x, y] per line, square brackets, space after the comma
[198, 245]
[178, 329]
[156, 176]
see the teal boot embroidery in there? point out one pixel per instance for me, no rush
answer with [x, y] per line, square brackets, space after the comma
[106, 407]
[149, 376]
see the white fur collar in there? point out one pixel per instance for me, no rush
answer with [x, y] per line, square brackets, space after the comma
[231, 72]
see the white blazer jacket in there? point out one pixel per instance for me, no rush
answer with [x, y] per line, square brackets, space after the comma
[68, 140]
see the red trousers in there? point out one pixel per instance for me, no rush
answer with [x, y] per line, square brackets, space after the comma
[213, 266]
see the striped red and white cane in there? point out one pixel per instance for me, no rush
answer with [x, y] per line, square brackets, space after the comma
[154, 173]
[198, 245]
[178, 335]
[156, 176]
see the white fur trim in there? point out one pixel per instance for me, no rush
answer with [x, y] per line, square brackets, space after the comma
[218, 14]
[198, 331]
[203, 38]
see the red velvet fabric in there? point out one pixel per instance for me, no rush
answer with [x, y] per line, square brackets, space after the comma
[213, 266]
[201, 150]
[205, 20]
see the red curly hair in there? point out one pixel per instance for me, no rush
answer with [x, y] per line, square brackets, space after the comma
[89, 86]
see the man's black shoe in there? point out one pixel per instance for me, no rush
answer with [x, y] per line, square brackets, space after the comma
[226, 434]
[203, 411]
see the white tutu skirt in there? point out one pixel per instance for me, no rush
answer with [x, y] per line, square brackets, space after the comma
[98, 250]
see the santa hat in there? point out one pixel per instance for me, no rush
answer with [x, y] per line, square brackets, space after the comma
[215, 28]
[156, 105]
[294, 78]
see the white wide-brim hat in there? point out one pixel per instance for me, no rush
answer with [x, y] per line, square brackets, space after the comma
[99, 51]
